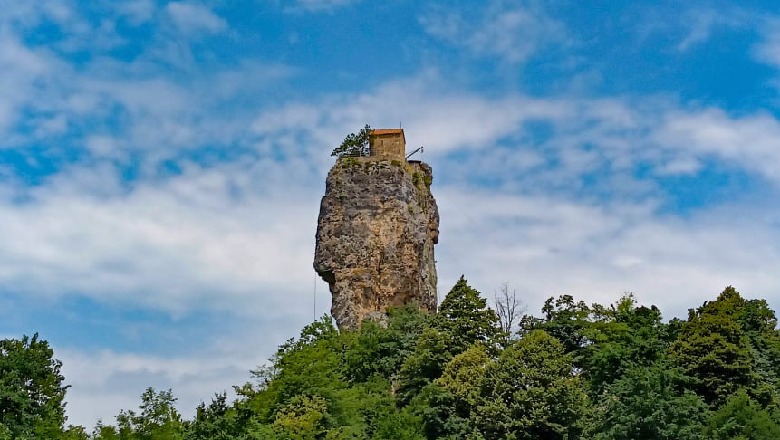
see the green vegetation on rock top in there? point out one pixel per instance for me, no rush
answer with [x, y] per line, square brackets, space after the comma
[354, 145]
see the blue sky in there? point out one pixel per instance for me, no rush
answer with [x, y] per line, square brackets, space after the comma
[161, 164]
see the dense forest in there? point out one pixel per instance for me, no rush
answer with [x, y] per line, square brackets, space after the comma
[578, 371]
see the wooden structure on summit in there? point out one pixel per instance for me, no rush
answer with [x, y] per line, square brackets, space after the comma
[387, 143]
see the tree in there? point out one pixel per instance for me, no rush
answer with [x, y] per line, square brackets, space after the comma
[381, 350]
[713, 348]
[5, 433]
[759, 323]
[158, 419]
[425, 364]
[465, 316]
[215, 421]
[508, 309]
[31, 390]
[564, 319]
[303, 418]
[464, 319]
[74, 433]
[355, 144]
[450, 403]
[331, 385]
[310, 365]
[621, 337]
[530, 392]
[107, 432]
[649, 403]
[742, 418]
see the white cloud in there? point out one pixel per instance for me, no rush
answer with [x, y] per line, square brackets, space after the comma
[768, 50]
[547, 241]
[193, 18]
[23, 60]
[507, 30]
[136, 11]
[751, 142]
[230, 230]
[439, 120]
[545, 246]
[105, 382]
[217, 238]
[30, 14]
[318, 5]
[616, 134]
[703, 23]
[25, 70]
[76, 32]
[183, 114]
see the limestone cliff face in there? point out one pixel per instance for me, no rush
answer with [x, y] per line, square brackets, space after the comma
[377, 226]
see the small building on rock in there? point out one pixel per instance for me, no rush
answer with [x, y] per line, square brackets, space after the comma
[387, 143]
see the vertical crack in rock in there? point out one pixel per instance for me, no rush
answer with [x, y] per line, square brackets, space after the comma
[376, 230]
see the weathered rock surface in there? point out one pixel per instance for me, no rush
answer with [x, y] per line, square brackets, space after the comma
[376, 230]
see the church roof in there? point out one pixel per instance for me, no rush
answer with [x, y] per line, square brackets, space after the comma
[383, 131]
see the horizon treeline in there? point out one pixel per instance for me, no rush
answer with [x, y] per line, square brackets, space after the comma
[576, 371]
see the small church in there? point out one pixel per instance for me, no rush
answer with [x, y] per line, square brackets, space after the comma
[387, 143]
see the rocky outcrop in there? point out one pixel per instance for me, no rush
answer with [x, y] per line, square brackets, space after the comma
[376, 230]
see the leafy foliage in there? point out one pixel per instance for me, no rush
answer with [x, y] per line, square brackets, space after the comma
[464, 319]
[531, 392]
[714, 347]
[355, 144]
[157, 419]
[580, 371]
[650, 402]
[742, 418]
[377, 350]
[216, 421]
[31, 390]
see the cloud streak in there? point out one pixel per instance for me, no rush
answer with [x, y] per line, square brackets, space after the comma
[509, 31]
[546, 246]
[191, 18]
[205, 239]
[318, 5]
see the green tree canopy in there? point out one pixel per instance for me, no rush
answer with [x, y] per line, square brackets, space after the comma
[355, 144]
[713, 347]
[157, 419]
[649, 402]
[615, 372]
[531, 392]
[31, 389]
[742, 418]
[464, 319]
[620, 337]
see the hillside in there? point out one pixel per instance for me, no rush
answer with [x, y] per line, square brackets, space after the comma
[577, 371]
